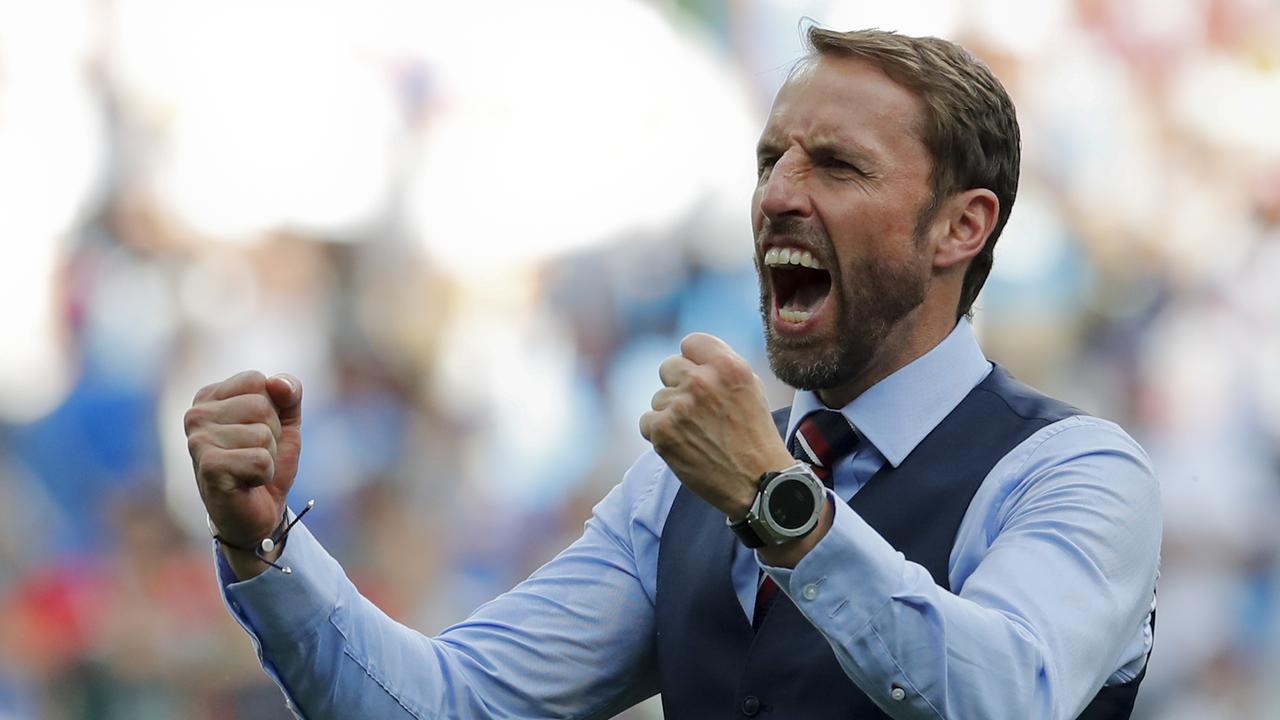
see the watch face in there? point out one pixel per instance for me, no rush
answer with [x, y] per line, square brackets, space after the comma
[791, 504]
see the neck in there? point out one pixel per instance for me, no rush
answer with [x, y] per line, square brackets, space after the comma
[911, 338]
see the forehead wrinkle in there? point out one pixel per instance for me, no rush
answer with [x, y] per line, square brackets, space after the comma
[820, 140]
[853, 107]
[813, 117]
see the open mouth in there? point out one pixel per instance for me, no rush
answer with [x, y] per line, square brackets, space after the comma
[800, 284]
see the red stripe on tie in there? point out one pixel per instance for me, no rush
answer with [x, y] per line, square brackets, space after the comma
[830, 437]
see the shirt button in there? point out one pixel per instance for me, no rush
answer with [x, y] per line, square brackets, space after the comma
[750, 705]
[810, 591]
[897, 693]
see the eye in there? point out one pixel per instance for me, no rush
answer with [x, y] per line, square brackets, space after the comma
[765, 163]
[842, 166]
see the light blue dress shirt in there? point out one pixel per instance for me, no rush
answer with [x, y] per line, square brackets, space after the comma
[1053, 575]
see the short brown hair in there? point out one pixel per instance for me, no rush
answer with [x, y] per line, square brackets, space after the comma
[970, 127]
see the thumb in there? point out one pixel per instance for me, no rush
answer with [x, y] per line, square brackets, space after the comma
[286, 392]
[700, 347]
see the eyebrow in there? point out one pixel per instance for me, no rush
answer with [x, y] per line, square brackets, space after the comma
[842, 149]
[767, 147]
[824, 144]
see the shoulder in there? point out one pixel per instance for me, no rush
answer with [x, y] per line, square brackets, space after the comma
[1068, 445]
[1075, 439]
[1076, 459]
[1080, 483]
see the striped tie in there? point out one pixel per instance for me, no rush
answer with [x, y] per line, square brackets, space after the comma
[823, 438]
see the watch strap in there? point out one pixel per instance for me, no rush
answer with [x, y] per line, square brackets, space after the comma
[745, 533]
[742, 528]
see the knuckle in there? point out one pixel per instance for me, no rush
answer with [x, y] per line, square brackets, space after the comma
[257, 406]
[738, 374]
[701, 382]
[683, 408]
[692, 340]
[721, 361]
[665, 367]
[254, 378]
[648, 422]
[193, 418]
[731, 367]
[668, 370]
[661, 427]
[211, 463]
[202, 393]
[262, 436]
[261, 463]
[196, 443]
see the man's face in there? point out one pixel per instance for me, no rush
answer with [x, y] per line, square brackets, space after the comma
[843, 180]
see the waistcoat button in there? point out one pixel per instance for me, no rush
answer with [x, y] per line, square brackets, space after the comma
[750, 705]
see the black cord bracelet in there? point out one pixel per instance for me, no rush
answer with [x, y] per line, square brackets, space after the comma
[276, 539]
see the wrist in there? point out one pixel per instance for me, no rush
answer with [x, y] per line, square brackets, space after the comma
[248, 562]
[246, 565]
[789, 554]
[775, 461]
[741, 505]
[232, 541]
[787, 507]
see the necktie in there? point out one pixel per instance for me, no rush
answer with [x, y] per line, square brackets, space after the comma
[822, 439]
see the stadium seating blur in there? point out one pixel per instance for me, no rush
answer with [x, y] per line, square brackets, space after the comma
[474, 229]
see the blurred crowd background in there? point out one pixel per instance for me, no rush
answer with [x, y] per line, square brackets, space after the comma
[474, 229]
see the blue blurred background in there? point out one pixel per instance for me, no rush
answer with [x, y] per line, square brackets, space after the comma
[474, 229]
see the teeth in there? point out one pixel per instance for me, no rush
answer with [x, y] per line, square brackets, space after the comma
[794, 316]
[789, 256]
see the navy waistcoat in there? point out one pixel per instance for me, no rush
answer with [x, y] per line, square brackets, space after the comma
[712, 666]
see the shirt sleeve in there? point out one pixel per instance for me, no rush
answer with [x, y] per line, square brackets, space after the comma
[1064, 581]
[550, 647]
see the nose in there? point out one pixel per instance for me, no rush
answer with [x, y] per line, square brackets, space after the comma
[784, 191]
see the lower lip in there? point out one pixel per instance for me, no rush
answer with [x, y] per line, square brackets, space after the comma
[793, 329]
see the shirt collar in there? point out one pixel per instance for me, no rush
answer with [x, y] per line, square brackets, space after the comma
[898, 412]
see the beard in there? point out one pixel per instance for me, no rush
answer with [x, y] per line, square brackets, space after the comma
[869, 303]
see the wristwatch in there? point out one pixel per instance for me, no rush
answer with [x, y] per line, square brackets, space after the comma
[786, 507]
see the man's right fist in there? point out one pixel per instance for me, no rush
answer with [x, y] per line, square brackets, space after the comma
[245, 435]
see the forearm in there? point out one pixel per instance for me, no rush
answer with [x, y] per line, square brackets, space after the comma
[335, 654]
[997, 650]
[322, 679]
[300, 625]
[925, 653]
[550, 647]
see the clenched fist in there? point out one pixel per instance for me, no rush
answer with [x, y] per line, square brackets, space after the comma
[245, 435]
[711, 424]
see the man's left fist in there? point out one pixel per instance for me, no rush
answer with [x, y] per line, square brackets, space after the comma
[711, 424]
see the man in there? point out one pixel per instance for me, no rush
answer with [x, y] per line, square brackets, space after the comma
[949, 543]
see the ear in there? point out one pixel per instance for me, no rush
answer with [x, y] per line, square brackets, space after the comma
[965, 222]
